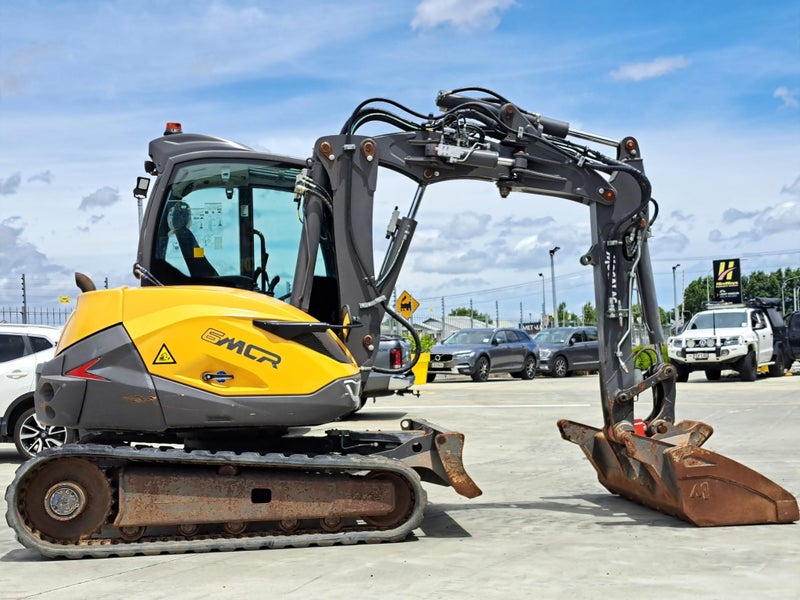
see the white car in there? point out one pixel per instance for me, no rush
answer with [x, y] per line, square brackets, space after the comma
[22, 349]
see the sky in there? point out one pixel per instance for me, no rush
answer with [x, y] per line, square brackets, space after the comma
[710, 89]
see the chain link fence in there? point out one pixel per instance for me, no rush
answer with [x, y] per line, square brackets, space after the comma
[35, 316]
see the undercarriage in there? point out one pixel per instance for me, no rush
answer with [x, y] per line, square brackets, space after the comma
[100, 501]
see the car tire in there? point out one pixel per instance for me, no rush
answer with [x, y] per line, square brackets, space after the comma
[528, 369]
[430, 377]
[560, 367]
[31, 436]
[777, 369]
[747, 369]
[713, 374]
[481, 371]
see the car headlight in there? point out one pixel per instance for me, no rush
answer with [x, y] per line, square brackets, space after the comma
[732, 341]
[676, 342]
[544, 353]
[464, 354]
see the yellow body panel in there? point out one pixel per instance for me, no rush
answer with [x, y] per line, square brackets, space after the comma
[94, 311]
[185, 332]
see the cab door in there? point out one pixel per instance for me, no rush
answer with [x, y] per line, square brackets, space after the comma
[793, 330]
[764, 333]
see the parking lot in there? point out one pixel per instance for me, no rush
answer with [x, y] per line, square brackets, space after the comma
[544, 527]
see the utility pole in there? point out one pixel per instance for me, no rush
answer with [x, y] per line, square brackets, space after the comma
[471, 314]
[675, 294]
[24, 301]
[553, 277]
[441, 334]
[544, 308]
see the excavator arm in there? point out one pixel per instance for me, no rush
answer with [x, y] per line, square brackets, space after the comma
[493, 140]
[653, 460]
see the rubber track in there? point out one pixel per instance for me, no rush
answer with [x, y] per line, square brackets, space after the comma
[102, 548]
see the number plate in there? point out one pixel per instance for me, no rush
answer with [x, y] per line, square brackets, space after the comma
[700, 355]
[436, 365]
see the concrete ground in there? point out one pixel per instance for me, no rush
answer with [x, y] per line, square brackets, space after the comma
[543, 528]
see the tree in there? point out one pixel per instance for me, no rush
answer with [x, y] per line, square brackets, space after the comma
[589, 314]
[470, 312]
[566, 317]
[756, 285]
[760, 285]
[695, 294]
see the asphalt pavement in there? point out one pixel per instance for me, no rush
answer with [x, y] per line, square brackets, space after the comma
[543, 528]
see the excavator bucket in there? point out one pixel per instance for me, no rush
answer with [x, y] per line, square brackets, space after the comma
[674, 475]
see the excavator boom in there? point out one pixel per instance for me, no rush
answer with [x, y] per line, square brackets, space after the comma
[491, 139]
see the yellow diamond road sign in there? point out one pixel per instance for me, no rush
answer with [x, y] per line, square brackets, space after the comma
[406, 304]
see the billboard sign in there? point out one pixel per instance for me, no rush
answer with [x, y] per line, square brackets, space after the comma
[728, 280]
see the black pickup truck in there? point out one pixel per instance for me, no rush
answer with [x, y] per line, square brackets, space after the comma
[793, 333]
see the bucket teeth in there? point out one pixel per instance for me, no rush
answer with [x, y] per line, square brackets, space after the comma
[678, 477]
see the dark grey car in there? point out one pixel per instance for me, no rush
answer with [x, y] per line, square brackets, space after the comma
[563, 350]
[479, 352]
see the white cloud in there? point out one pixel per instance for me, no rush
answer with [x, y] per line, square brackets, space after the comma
[734, 214]
[44, 177]
[649, 70]
[105, 196]
[467, 225]
[20, 257]
[10, 185]
[790, 98]
[793, 189]
[463, 15]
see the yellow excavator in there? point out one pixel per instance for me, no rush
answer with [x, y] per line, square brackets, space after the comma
[259, 316]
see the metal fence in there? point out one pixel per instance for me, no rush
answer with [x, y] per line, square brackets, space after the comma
[35, 316]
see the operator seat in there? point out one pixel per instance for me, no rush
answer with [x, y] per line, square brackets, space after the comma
[179, 218]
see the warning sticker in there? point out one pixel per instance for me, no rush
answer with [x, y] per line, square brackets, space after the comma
[164, 356]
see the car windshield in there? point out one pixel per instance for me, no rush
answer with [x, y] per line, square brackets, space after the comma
[552, 336]
[470, 337]
[713, 320]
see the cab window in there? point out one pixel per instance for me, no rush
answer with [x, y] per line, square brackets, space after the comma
[230, 223]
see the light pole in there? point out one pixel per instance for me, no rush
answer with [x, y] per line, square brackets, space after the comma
[553, 277]
[675, 293]
[544, 309]
[794, 301]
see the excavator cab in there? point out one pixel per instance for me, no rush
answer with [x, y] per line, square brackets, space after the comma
[222, 214]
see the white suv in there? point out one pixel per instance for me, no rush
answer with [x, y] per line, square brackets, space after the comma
[22, 349]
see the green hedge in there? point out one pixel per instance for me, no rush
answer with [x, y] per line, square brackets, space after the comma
[645, 360]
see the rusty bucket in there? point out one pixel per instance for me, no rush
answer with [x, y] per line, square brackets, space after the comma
[674, 475]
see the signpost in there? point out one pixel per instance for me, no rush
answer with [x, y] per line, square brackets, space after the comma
[406, 305]
[728, 280]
